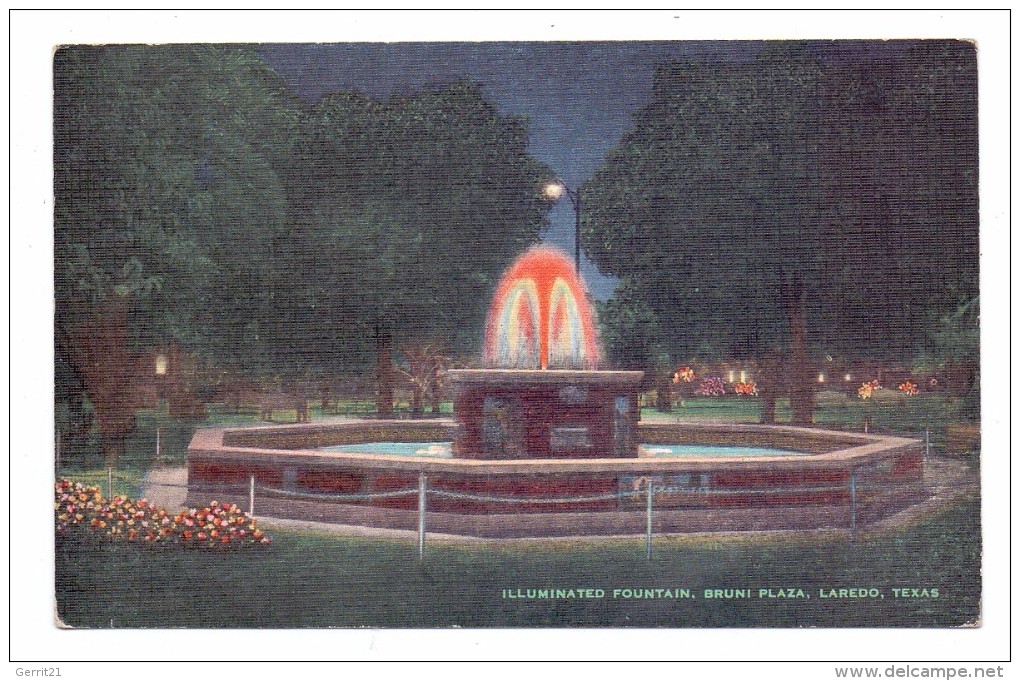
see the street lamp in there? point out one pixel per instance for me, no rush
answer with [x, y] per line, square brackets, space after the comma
[161, 364]
[554, 191]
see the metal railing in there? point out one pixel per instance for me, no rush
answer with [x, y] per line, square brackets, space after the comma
[423, 492]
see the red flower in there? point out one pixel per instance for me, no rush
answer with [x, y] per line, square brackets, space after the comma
[685, 374]
[908, 388]
[750, 388]
[866, 389]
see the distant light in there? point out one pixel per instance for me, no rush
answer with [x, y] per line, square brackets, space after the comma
[848, 378]
[553, 191]
[821, 378]
[161, 365]
[743, 377]
[731, 377]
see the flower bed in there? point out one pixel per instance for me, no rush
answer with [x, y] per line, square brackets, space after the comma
[748, 389]
[77, 507]
[711, 387]
[908, 388]
[868, 389]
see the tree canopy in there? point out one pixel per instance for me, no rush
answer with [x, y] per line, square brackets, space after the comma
[215, 209]
[405, 212]
[168, 188]
[855, 181]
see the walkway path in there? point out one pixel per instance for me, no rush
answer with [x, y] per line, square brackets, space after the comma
[166, 487]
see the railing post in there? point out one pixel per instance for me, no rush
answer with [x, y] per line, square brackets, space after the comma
[57, 452]
[927, 442]
[422, 482]
[157, 445]
[853, 504]
[109, 482]
[648, 523]
[251, 495]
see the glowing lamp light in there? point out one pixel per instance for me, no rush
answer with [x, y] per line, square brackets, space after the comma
[731, 377]
[848, 378]
[161, 365]
[821, 378]
[553, 191]
[743, 377]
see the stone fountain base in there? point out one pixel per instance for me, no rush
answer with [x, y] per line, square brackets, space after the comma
[545, 414]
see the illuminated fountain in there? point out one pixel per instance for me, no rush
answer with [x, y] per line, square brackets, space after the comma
[544, 442]
[544, 396]
[540, 316]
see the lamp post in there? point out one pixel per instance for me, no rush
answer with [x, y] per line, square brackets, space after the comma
[554, 191]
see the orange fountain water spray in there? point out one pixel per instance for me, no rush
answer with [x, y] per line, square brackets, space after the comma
[541, 316]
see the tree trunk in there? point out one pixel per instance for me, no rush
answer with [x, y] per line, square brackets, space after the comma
[383, 370]
[417, 403]
[181, 400]
[769, 378]
[114, 447]
[98, 351]
[802, 389]
[664, 393]
[434, 399]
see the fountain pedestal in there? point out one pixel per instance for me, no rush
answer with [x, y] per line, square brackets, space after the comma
[545, 414]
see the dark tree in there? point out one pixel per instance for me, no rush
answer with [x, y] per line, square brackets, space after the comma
[405, 211]
[815, 196]
[166, 198]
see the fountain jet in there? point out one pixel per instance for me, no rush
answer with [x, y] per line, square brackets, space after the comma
[541, 317]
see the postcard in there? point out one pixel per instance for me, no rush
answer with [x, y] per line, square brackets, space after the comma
[517, 334]
[630, 336]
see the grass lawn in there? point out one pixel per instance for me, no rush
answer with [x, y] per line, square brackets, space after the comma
[314, 580]
[888, 410]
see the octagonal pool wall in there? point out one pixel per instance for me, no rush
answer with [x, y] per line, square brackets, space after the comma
[843, 478]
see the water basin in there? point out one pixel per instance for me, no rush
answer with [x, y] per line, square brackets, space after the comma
[435, 450]
[720, 451]
[443, 450]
